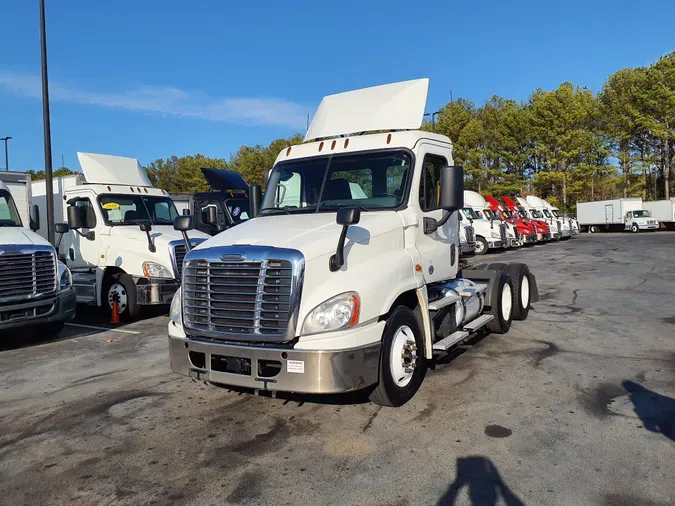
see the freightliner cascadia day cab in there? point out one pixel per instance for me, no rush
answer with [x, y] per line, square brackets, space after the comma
[525, 230]
[662, 211]
[540, 226]
[556, 222]
[467, 237]
[615, 215]
[537, 214]
[480, 207]
[489, 236]
[35, 288]
[121, 245]
[228, 198]
[354, 283]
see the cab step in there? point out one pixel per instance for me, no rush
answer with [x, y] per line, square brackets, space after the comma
[450, 340]
[479, 322]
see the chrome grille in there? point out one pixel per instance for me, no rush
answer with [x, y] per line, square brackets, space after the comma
[515, 232]
[470, 235]
[179, 252]
[242, 297]
[558, 222]
[27, 274]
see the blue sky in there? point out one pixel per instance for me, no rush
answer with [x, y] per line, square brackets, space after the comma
[154, 78]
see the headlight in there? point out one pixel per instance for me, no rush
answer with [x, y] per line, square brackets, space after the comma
[65, 278]
[495, 235]
[336, 313]
[155, 270]
[175, 312]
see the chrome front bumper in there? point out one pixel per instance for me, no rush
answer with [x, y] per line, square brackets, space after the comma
[55, 309]
[152, 291]
[649, 227]
[467, 247]
[494, 243]
[276, 369]
[527, 238]
[514, 243]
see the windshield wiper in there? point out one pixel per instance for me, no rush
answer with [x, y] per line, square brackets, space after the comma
[275, 209]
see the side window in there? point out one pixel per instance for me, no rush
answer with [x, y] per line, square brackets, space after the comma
[430, 182]
[87, 211]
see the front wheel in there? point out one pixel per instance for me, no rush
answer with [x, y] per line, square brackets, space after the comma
[481, 246]
[634, 228]
[121, 286]
[402, 362]
[592, 229]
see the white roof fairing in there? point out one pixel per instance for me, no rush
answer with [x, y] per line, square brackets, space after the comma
[108, 169]
[396, 106]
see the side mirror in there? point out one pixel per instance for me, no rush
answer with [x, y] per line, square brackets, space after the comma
[61, 228]
[254, 200]
[75, 218]
[345, 216]
[34, 217]
[186, 212]
[452, 188]
[183, 224]
[211, 216]
[146, 227]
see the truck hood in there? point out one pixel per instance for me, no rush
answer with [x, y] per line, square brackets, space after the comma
[161, 234]
[314, 234]
[20, 236]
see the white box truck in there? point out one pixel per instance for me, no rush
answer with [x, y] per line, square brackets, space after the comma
[341, 289]
[615, 215]
[662, 211]
[121, 245]
[35, 288]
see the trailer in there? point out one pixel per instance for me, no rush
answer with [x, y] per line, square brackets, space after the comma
[663, 211]
[60, 185]
[19, 185]
[615, 215]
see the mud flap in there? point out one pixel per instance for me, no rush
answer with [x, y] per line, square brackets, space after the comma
[534, 291]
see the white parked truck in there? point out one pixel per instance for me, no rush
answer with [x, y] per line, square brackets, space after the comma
[481, 208]
[35, 288]
[121, 245]
[662, 211]
[556, 222]
[615, 215]
[538, 214]
[331, 292]
[467, 237]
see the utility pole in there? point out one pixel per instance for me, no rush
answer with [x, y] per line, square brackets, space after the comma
[6, 152]
[49, 184]
[433, 119]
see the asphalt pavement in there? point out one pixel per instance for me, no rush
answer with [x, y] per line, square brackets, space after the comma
[575, 406]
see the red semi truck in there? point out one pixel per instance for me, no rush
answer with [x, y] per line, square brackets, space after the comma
[541, 227]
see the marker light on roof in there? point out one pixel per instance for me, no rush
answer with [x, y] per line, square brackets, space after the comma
[388, 138]
[332, 145]
[321, 146]
[288, 151]
[346, 143]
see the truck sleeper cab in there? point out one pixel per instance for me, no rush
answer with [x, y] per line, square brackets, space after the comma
[348, 278]
[35, 288]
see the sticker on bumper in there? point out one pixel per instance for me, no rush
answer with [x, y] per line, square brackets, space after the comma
[295, 366]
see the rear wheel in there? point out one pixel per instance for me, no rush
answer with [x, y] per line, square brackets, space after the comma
[593, 229]
[501, 300]
[481, 246]
[521, 290]
[402, 364]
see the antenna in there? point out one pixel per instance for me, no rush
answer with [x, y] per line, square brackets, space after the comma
[308, 123]
[62, 164]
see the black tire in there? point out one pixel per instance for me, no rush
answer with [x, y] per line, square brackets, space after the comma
[500, 324]
[128, 310]
[49, 329]
[387, 392]
[592, 229]
[481, 246]
[634, 228]
[521, 290]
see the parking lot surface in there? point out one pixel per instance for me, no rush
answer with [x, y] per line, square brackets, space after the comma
[575, 406]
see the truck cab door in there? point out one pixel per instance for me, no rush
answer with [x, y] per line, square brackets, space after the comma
[80, 251]
[200, 214]
[438, 249]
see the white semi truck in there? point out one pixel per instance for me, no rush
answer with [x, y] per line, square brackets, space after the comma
[481, 208]
[334, 293]
[556, 222]
[35, 288]
[538, 214]
[615, 215]
[121, 245]
[662, 211]
[467, 237]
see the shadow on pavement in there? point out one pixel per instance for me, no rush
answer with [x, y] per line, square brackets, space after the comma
[485, 485]
[656, 411]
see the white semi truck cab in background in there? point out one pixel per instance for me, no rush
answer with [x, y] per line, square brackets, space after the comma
[507, 232]
[35, 288]
[488, 234]
[121, 244]
[354, 282]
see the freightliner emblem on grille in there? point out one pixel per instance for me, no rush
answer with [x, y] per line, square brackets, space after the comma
[232, 257]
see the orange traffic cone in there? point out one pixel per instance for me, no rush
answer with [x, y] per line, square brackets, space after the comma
[115, 318]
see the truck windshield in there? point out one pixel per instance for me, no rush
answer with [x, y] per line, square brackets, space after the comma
[556, 213]
[507, 214]
[536, 214]
[522, 212]
[134, 209]
[490, 215]
[479, 215]
[547, 213]
[642, 214]
[371, 181]
[238, 209]
[9, 217]
[468, 212]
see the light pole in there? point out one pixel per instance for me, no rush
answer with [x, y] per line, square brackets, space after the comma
[6, 152]
[49, 185]
[433, 121]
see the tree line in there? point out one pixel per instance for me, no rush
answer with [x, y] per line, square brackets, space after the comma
[565, 145]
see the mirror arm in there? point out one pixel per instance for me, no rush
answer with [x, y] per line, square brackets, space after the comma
[151, 246]
[188, 246]
[338, 260]
[431, 224]
[89, 235]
